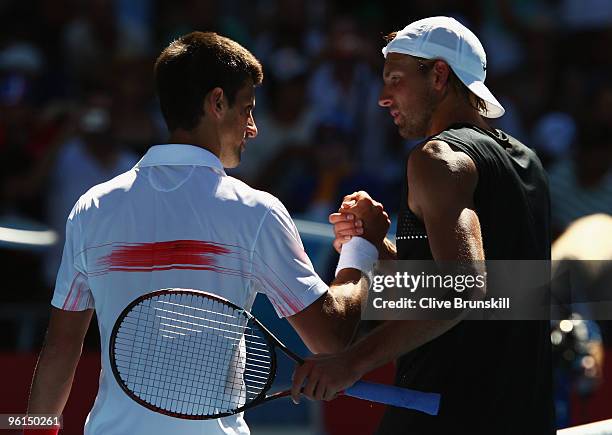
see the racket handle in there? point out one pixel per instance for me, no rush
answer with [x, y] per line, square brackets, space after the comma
[428, 403]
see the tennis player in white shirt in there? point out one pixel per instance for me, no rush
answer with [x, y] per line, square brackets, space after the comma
[176, 220]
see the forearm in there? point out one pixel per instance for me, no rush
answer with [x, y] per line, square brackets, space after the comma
[344, 307]
[350, 287]
[53, 379]
[393, 339]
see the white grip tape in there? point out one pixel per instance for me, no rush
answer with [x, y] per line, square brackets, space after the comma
[357, 253]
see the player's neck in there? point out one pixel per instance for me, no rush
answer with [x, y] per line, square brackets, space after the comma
[453, 111]
[199, 136]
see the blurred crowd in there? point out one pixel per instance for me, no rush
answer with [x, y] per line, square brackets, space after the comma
[77, 100]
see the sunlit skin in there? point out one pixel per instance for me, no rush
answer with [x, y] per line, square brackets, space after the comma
[224, 129]
[423, 101]
[408, 95]
[419, 98]
[237, 127]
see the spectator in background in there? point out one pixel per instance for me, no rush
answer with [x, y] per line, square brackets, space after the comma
[134, 22]
[581, 184]
[289, 23]
[91, 157]
[344, 88]
[291, 175]
[340, 85]
[553, 136]
[289, 123]
[136, 118]
[17, 122]
[583, 253]
[28, 129]
[174, 20]
[90, 41]
[311, 179]
[522, 39]
[587, 247]
[335, 171]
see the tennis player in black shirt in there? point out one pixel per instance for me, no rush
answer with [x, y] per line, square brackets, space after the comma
[471, 193]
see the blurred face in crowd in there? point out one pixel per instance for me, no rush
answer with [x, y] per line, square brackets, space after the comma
[237, 126]
[95, 123]
[289, 100]
[408, 94]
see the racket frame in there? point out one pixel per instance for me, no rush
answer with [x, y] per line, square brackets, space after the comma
[271, 341]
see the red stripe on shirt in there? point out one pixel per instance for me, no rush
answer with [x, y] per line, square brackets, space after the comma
[141, 257]
[71, 289]
[81, 289]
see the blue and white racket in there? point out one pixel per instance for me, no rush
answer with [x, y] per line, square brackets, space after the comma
[194, 355]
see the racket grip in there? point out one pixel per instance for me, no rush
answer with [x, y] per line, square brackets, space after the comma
[428, 403]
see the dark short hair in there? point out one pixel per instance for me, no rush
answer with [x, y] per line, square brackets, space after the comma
[193, 65]
[456, 84]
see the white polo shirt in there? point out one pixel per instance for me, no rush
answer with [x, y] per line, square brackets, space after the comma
[176, 220]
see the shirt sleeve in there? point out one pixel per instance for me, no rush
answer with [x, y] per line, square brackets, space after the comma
[72, 292]
[281, 267]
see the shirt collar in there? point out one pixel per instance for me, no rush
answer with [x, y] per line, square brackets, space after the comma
[180, 155]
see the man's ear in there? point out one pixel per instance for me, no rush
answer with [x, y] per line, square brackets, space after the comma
[441, 74]
[215, 103]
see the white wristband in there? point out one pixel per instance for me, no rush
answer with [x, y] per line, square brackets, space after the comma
[357, 253]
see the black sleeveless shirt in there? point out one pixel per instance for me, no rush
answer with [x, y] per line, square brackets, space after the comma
[495, 377]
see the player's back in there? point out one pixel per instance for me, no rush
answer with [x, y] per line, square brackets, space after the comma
[169, 226]
[176, 220]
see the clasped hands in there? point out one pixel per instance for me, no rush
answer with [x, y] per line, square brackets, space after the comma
[323, 377]
[359, 215]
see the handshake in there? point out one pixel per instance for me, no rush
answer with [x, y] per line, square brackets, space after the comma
[361, 216]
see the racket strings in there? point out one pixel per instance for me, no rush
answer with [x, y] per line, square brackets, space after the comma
[191, 355]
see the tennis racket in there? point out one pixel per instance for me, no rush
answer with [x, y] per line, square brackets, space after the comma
[194, 355]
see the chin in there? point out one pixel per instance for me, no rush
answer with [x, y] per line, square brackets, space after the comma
[406, 134]
[233, 162]
[411, 133]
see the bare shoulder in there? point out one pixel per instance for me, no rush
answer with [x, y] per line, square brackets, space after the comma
[439, 157]
[439, 174]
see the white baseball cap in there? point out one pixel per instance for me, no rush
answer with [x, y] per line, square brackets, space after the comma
[447, 39]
